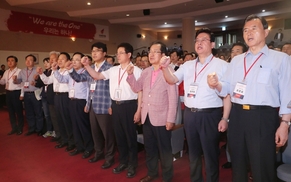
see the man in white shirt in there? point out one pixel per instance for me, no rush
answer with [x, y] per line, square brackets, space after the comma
[14, 105]
[125, 107]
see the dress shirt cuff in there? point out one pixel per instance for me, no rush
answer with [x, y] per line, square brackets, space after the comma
[223, 92]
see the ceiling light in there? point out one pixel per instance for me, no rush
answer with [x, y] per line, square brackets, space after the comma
[165, 23]
[223, 28]
[165, 37]
[127, 15]
[196, 21]
[73, 38]
[226, 16]
[88, 3]
[143, 36]
[263, 10]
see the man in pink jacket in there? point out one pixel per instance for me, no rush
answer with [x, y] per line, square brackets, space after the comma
[158, 113]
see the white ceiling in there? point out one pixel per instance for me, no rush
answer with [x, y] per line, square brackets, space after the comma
[206, 12]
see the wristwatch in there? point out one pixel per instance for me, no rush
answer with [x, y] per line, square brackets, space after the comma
[227, 120]
[287, 122]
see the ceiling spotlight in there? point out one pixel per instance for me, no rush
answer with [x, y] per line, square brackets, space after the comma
[223, 28]
[196, 21]
[226, 16]
[127, 15]
[165, 23]
[263, 10]
[88, 3]
[73, 39]
[165, 37]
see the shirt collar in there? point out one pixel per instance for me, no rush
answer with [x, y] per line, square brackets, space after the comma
[264, 50]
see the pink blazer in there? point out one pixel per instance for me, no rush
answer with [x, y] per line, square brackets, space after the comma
[160, 101]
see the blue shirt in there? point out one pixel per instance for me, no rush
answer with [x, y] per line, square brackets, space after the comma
[26, 75]
[80, 88]
[205, 97]
[101, 101]
[267, 83]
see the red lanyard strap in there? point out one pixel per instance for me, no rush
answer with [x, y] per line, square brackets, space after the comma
[196, 75]
[247, 71]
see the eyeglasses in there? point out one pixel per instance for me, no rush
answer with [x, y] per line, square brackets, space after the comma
[201, 40]
[154, 52]
[97, 50]
[119, 53]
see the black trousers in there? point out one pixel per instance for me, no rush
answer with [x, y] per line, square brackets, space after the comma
[63, 115]
[15, 110]
[54, 120]
[103, 134]
[81, 125]
[125, 132]
[202, 135]
[157, 143]
[252, 140]
[33, 112]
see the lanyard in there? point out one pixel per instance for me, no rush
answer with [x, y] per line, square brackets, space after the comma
[27, 75]
[196, 75]
[119, 79]
[12, 74]
[79, 73]
[247, 71]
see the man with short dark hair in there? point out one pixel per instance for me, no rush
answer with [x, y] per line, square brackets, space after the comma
[14, 105]
[99, 107]
[259, 83]
[158, 114]
[174, 56]
[203, 119]
[125, 107]
[287, 48]
[31, 96]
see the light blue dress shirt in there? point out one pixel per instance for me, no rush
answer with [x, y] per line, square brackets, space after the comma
[205, 97]
[81, 89]
[268, 83]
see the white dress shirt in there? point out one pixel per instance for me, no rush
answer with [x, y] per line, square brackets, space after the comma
[8, 78]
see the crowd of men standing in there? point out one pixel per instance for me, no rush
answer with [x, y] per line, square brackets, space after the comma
[91, 108]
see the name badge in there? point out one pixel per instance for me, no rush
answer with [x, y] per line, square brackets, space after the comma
[72, 93]
[92, 87]
[45, 88]
[117, 94]
[26, 84]
[239, 90]
[192, 90]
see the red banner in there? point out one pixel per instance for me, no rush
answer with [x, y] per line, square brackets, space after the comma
[29, 23]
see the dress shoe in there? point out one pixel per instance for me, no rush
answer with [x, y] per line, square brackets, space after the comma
[75, 152]
[61, 145]
[70, 147]
[19, 132]
[148, 178]
[119, 168]
[11, 132]
[95, 159]
[131, 172]
[86, 154]
[227, 165]
[55, 139]
[39, 133]
[29, 133]
[107, 164]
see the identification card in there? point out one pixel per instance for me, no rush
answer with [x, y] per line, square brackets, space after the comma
[92, 87]
[192, 90]
[7, 86]
[239, 90]
[45, 88]
[72, 93]
[117, 94]
[26, 85]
